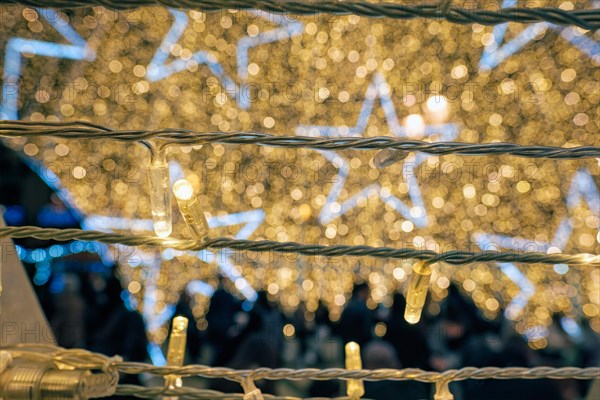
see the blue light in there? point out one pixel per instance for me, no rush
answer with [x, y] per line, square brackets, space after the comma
[14, 215]
[571, 327]
[38, 255]
[199, 287]
[42, 273]
[156, 355]
[57, 285]
[561, 268]
[247, 305]
[55, 251]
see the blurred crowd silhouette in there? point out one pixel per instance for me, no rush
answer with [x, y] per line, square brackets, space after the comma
[89, 312]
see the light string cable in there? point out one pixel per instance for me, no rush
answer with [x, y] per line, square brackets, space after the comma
[85, 360]
[455, 257]
[167, 137]
[586, 19]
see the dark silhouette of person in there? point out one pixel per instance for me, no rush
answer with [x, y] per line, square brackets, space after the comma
[115, 330]
[356, 322]
[256, 351]
[220, 318]
[379, 354]
[485, 351]
[408, 340]
[267, 319]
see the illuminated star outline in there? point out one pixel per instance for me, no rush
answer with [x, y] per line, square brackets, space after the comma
[582, 188]
[158, 68]
[332, 209]
[251, 220]
[495, 53]
[78, 49]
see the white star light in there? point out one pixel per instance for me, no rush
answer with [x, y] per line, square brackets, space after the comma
[582, 188]
[77, 50]
[158, 68]
[495, 53]
[333, 209]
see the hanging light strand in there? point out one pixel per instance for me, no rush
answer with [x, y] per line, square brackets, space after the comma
[84, 130]
[456, 257]
[587, 19]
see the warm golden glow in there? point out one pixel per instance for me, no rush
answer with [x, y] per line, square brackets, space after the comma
[427, 71]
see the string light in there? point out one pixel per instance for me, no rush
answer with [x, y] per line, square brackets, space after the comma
[437, 108]
[415, 126]
[454, 198]
[386, 157]
[190, 209]
[176, 349]
[442, 391]
[160, 196]
[355, 388]
[417, 292]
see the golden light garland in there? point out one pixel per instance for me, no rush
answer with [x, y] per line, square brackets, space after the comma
[546, 94]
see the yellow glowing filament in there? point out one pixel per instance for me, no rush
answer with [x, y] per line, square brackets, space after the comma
[355, 388]
[387, 157]
[190, 209]
[177, 341]
[417, 292]
[160, 198]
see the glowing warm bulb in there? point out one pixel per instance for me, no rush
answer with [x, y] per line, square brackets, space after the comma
[190, 208]
[437, 108]
[183, 189]
[415, 125]
[387, 157]
[160, 198]
[355, 388]
[590, 258]
[177, 341]
[417, 292]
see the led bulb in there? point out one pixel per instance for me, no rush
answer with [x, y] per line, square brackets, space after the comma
[415, 126]
[387, 157]
[437, 108]
[190, 209]
[417, 292]
[355, 388]
[442, 391]
[177, 341]
[160, 198]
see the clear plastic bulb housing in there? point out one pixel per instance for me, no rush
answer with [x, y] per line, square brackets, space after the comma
[386, 157]
[355, 387]
[177, 342]
[160, 198]
[417, 292]
[190, 208]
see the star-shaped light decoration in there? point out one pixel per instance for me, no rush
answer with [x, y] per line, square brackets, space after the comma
[582, 188]
[159, 69]
[497, 51]
[77, 49]
[333, 208]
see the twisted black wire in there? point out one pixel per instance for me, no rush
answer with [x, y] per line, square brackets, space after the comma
[85, 130]
[587, 19]
[455, 257]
